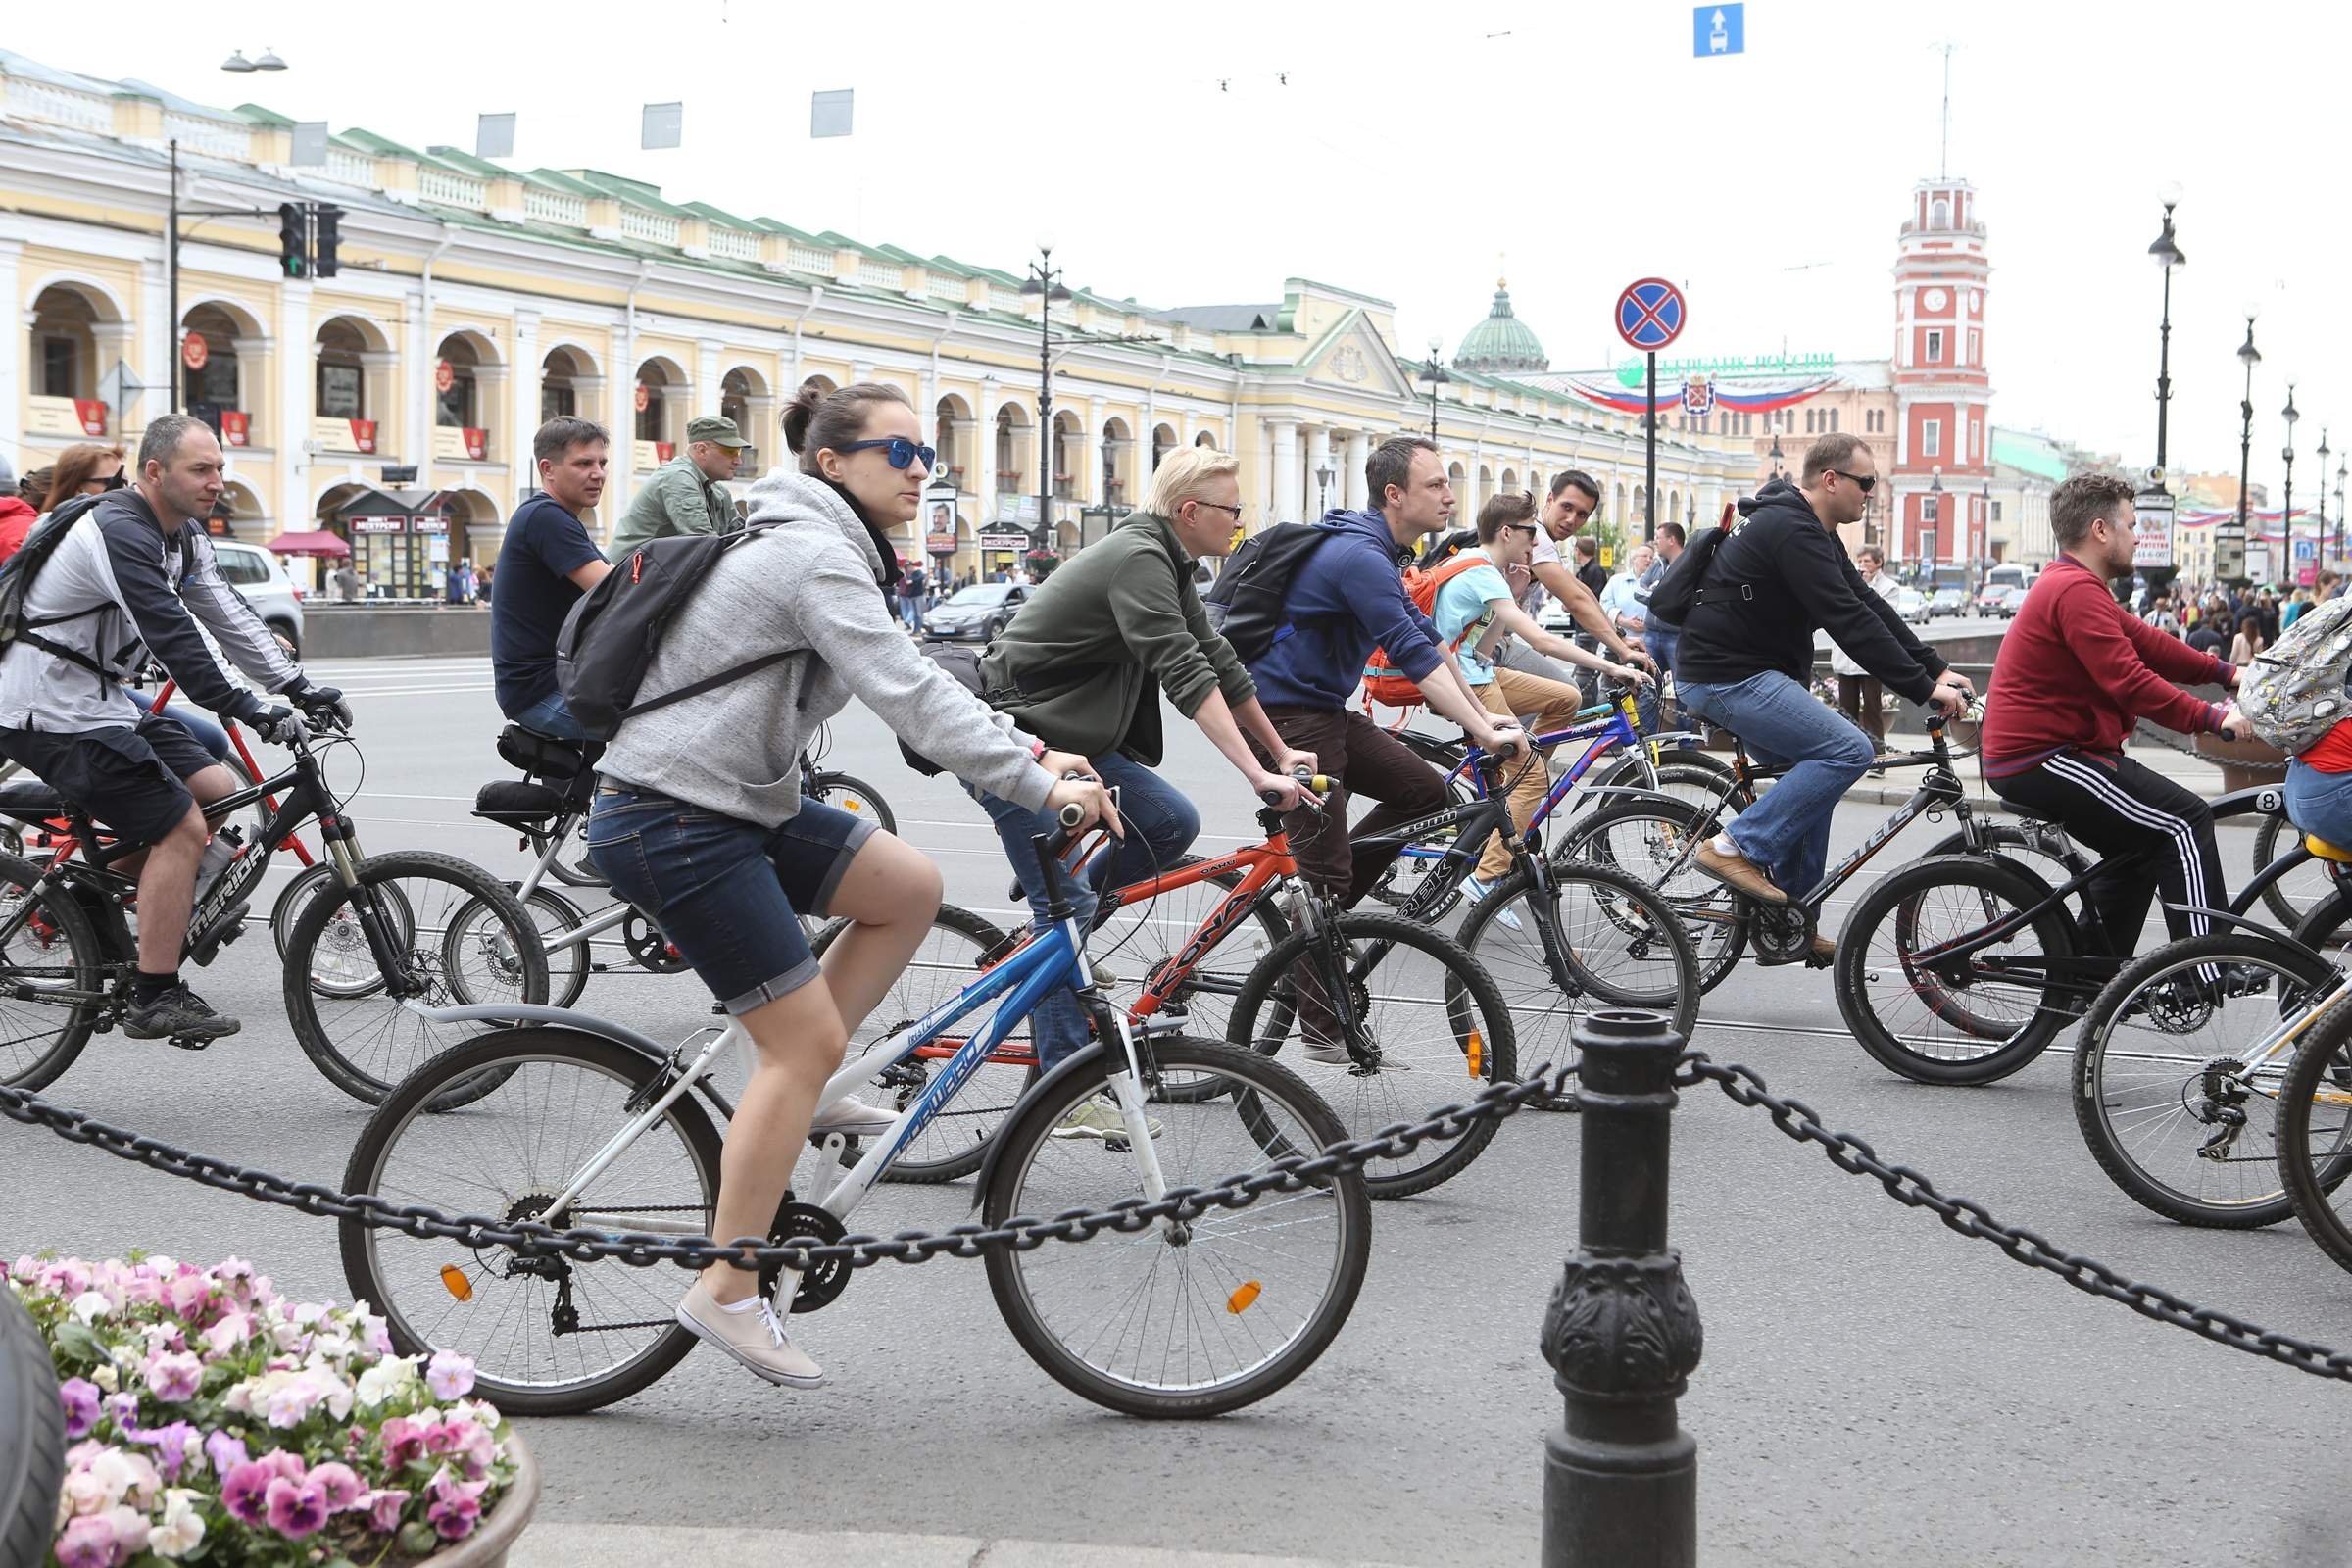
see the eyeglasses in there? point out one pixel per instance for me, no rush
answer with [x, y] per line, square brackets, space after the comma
[1864, 482]
[901, 452]
[1221, 506]
[1526, 528]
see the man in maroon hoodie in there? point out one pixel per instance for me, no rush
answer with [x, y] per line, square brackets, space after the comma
[2075, 671]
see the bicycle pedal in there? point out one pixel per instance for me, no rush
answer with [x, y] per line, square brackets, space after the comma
[189, 1042]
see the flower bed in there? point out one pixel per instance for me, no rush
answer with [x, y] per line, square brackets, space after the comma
[214, 1420]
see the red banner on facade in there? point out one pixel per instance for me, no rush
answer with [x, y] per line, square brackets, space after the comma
[92, 414]
[363, 435]
[236, 430]
[664, 450]
[477, 443]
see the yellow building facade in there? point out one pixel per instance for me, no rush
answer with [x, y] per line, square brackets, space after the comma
[472, 301]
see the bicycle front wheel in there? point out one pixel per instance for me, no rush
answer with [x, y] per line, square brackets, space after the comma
[548, 1336]
[855, 797]
[2315, 1131]
[52, 973]
[1654, 844]
[1429, 1028]
[2179, 1072]
[1190, 1318]
[461, 939]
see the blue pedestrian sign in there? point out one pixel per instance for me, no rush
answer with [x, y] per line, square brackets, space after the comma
[1649, 314]
[1718, 30]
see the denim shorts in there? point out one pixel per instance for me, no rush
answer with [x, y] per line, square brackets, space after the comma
[728, 894]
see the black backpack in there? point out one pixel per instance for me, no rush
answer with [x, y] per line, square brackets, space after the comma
[1247, 604]
[1677, 593]
[610, 637]
[16, 585]
[1446, 546]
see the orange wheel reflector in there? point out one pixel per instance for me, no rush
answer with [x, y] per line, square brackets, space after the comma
[851, 803]
[1478, 1054]
[453, 1279]
[1243, 1298]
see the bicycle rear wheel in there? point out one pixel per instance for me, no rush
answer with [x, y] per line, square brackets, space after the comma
[556, 1097]
[2315, 1131]
[48, 950]
[1141, 942]
[1653, 843]
[1180, 1319]
[2175, 1088]
[2296, 895]
[855, 797]
[1432, 1029]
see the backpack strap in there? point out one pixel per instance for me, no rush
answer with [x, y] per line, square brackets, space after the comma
[708, 683]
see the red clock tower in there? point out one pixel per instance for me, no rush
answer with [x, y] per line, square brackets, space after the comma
[1943, 439]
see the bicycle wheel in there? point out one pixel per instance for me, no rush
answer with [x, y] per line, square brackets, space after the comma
[572, 867]
[958, 946]
[1618, 943]
[2315, 1131]
[2301, 890]
[1191, 1319]
[49, 948]
[1646, 839]
[1431, 1024]
[1141, 942]
[32, 1437]
[1974, 1019]
[558, 1096]
[2174, 1086]
[2328, 926]
[855, 797]
[568, 964]
[1683, 771]
[348, 1021]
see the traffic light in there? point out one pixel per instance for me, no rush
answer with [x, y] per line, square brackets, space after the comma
[328, 235]
[293, 240]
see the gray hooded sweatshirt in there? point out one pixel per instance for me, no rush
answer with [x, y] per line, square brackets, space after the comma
[806, 584]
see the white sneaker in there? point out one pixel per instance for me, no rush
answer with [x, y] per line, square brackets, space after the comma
[852, 1117]
[752, 1336]
[1099, 1118]
[1476, 892]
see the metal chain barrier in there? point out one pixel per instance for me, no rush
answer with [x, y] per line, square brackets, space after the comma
[1909, 1187]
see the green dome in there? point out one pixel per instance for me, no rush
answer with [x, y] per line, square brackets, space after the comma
[1501, 344]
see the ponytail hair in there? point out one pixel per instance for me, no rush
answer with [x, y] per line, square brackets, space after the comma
[818, 419]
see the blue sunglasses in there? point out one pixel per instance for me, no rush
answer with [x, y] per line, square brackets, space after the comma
[902, 451]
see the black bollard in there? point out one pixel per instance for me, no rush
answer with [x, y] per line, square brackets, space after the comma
[1621, 1479]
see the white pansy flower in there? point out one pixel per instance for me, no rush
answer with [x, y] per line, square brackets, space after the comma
[386, 1379]
[91, 1306]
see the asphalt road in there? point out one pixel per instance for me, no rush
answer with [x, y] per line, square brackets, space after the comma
[1876, 1390]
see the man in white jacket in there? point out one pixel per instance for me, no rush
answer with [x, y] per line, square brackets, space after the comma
[1860, 697]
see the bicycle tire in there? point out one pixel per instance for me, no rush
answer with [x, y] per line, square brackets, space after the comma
[856, 797]
[1629, 907]
[2294, 895]
[2175, 1094]
[519, 971]
[1896, 898]
[568, 966]
[1480, 1041]
[502, 1056]
[1205, 994]
[956, 1142]
[2321, 1073]
[84, 970]
[2327, 928]
[32, 1438]
[574, 870]
[294, 896]
[1259, 1095]
[1715, 918]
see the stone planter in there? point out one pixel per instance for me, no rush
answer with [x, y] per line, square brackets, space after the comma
[487, 1546]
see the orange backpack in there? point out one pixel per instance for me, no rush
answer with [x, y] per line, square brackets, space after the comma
[1384, 682]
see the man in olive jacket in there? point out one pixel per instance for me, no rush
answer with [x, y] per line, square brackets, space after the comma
[1082, 667]
[688, 494]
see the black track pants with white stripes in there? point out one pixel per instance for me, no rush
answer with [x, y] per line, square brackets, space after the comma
[2113, 804]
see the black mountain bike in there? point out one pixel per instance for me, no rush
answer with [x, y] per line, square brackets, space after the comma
[370, 945]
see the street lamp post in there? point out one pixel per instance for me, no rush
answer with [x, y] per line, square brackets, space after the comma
[2168, 256]
[1983, 532]
[1436, 378]
[1323, 477]
[2248, 355]
[1776, 455]
[2340, 467]
[2286, 503]
[2318, 536]
[1045, 282]
[1934, 515]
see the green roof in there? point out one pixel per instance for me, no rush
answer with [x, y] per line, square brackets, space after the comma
[1502, 343]
[2032, 454]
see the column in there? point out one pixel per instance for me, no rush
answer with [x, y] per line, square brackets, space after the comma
[522, 413]
[1318, 457]
[297, 393]
[1359, 453]
[1285, 504]
[984, 438]
[416, 396]
[705, 391]
[14, 339]
[1090, 483]
[152, 348]
[620, 477]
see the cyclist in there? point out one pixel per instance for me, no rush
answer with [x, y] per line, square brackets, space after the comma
[687, 494]
[1570, 501]
[1472, 610]
[1746, 662]
[1083, 666]
[2075, 671]
[699, 820]
[545, 564]
[134, 577]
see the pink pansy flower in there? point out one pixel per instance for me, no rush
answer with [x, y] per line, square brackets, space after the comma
[88, 1542]
[404, 1442]
[340, 1483]
[385, 1508]
[188, 1295]
[129, 1525]
[81, 1399]
[131, 1473]
[227, 1334]
[224, 1452]
[450, 1376]
[175, 1377]
[282, 1462]
[245, 1492]
[174, 1446]
[296, 1511]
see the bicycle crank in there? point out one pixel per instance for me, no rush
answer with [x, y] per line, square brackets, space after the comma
[822, 1280]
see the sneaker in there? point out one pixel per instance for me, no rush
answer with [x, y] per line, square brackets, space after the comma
[178, 1014]
[1476, 892]
[1331, 1053]
[1099, 1119]
[1825, 949]
[1738, 872]
[752, 1337]
[852, 1117]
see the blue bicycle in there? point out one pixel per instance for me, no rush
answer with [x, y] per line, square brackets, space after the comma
[592, 1125]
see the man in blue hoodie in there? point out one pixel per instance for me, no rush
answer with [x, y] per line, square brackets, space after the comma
[1343, 599]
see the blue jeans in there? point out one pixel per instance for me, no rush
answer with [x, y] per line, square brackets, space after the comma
[210, 736]
[549, 716]
[911, 610]
[1161, 825]
[1788, 831]
[2320, 804]
[1661, 640]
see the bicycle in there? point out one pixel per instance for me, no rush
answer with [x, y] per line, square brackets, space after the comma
[371, 943]
[593, 1125]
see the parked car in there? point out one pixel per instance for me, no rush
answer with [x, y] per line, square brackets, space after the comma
[1911, 605]
[1993, 600]
[258, 576]
[1948, 602]
[2010, 599]
[976, 615]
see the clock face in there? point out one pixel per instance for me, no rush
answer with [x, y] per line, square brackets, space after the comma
[1934, 298]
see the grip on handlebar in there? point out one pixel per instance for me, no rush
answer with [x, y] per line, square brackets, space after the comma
[1071, 814]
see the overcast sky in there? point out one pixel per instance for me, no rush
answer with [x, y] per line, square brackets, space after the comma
[1165, 153]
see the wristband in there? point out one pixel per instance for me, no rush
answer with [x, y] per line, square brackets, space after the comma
[1037, 750]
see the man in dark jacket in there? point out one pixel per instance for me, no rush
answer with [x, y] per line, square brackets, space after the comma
[1082, 668]
[1746, 662]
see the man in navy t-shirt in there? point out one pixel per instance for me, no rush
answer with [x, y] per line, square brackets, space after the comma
[547, 562]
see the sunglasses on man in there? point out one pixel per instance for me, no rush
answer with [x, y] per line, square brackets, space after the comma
[1864, 482]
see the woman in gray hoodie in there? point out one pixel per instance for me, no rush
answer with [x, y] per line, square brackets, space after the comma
[699, 820]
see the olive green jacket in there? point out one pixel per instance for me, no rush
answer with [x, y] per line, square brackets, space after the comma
[676, 499]
[1076, 666]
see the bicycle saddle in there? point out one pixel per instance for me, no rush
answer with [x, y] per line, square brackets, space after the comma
[30, 800]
